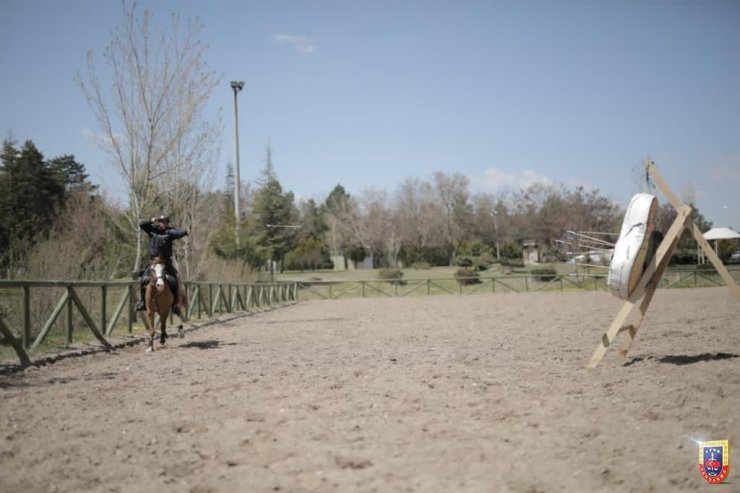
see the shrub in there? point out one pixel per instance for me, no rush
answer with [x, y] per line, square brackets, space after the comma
[463, 261]
[481, 262]
[475, 249]
[393, 276]
[545, 274]
[512, 262]
[466, 276]
[684, 256]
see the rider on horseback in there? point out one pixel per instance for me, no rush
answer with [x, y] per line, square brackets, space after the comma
[161, 236]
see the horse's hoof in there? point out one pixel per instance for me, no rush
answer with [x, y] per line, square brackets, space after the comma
[150, 350]
[180, 332]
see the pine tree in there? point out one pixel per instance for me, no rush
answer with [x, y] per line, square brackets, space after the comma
[71, 174]
[274, 210]
[32, 192]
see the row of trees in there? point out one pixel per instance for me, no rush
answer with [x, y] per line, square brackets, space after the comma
[435, 221]
[55, 224]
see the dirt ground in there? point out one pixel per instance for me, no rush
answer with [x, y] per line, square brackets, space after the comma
[428, 394]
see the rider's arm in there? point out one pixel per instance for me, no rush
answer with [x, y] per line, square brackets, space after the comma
[146, 225]
[175, 233]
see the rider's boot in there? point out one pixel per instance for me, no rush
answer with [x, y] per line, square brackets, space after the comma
[140, 304]
[176, 303]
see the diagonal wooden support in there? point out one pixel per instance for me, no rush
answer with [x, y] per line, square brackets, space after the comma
[696, 233]
[76, 300]
[17, 345]
[716, 262]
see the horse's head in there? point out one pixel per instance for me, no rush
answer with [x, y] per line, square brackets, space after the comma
[158, 269]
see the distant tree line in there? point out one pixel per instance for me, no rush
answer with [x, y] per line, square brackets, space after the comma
[56, 224]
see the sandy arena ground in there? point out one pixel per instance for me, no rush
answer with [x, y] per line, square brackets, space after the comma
[480, 393]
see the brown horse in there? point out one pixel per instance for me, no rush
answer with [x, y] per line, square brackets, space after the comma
[159, 299]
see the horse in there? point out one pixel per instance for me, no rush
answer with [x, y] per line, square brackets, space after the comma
[159, 299]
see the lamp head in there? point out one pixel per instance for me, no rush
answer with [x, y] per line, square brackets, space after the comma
[237, 85]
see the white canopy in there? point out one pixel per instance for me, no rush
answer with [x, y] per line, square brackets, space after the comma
[721, 234]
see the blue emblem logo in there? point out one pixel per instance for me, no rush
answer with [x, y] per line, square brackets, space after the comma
[714, 460]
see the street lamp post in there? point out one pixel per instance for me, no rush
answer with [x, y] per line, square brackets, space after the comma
[236, 86]
[495, 232]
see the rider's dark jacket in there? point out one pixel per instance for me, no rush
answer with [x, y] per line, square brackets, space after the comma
[160, 242]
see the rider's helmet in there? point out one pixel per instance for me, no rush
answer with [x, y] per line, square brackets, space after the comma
[163, 218]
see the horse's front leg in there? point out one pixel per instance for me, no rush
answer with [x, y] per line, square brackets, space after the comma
[162, 330]
[150, 320]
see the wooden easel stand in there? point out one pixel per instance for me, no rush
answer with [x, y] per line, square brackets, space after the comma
[650, 278]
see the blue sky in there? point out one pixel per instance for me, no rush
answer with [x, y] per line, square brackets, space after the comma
[368, 92]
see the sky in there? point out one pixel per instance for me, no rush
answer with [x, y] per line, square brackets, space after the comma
[367, 93]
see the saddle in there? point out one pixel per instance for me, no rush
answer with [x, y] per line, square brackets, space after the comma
[171, 280]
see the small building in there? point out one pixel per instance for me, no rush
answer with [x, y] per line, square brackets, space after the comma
[530, 252]
[340, 262]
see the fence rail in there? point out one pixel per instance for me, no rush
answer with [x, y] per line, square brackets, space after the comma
[400, 288]
[27, 307]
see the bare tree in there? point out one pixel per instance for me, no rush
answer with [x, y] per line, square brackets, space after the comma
[188, 196]
[452, 195]
[420, 218]
[368, 221]
[152, 112]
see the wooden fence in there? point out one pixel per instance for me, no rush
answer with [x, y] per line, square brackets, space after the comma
[26, 305]
[399, 288]
[30, 310]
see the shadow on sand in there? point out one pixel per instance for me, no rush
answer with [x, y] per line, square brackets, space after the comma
[207, 344]
[688, 360]
[684, 359]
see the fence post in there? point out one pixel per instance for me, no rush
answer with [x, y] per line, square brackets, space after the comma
[103, 303]
[70, 328]
[526, 284]
[131, 308]
[26, 335]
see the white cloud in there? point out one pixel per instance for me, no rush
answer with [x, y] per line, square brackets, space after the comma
[300, 43]
[495, 179]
